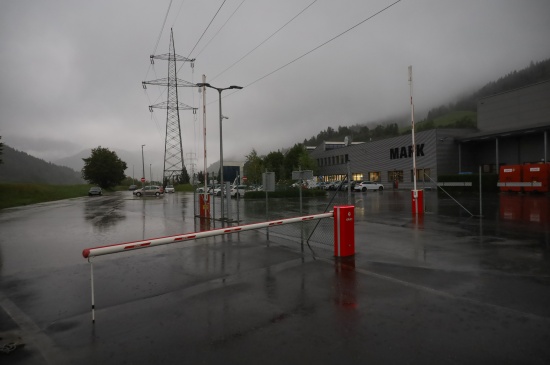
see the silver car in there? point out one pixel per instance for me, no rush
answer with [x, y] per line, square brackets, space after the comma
[149, 190]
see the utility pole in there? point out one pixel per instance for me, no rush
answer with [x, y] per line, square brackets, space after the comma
[173, 151]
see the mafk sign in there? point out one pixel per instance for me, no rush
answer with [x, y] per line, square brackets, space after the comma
[406, 152]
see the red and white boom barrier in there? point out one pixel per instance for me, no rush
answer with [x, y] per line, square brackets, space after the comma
[344, 237]
[128, 246]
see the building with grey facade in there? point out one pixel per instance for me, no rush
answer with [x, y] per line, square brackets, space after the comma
[512, 129]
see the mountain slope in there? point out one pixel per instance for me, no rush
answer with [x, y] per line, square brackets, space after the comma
[20, 167]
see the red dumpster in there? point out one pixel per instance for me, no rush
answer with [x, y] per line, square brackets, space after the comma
[540, 173]
[510, 174]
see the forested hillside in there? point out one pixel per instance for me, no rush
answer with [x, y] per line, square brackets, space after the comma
[459, 114]
[19, 167]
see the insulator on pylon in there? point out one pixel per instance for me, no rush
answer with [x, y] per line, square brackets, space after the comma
[194, 110]
[150, 108]
[143, 84]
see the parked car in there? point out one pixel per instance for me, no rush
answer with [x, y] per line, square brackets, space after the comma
[94, 190]
[368, 185]
[333, 185]
[344, 186]
[132, 187]
[200, 189]
[169, 189]
[149, 190]
[237, 191]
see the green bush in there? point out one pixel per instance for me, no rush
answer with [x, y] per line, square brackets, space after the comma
[488, 181]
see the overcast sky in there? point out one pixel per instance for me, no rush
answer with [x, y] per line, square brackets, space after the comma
[71, 71]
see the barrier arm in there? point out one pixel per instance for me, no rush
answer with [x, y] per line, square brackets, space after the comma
[128, 246]
[89, 253]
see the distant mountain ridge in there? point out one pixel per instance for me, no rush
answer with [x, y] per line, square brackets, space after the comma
[20, 167]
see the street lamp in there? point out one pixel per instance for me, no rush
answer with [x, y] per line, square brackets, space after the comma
[205, 84]
[143, 165]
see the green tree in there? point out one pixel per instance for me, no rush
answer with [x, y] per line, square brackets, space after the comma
[254, 167]
[103, 168]
[274, 162]
[183, 178]
[292, 160]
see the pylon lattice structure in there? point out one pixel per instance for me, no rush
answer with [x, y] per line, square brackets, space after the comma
[174, 165]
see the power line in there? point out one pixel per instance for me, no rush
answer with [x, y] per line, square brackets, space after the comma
[162, 28]
[160, 35]
[268, 38]
[215, 35]
[214, 17]
[321, 45]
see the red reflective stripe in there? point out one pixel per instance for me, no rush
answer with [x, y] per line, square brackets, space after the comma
[129, 247]
[145, 244]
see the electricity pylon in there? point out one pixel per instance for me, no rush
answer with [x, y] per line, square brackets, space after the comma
[173, 151]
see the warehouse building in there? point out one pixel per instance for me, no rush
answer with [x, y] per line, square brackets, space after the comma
[512, 129]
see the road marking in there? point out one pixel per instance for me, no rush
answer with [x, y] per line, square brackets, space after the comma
[32, 334]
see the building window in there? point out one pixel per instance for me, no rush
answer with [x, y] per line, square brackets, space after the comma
[357, 177]
[422, 175]
[374, 176]
[395, 175]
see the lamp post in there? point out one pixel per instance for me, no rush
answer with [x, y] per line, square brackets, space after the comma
[143, 165]
[150, 173]
[204, 84]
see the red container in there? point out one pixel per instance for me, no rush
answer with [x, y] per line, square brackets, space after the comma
[344, 230]
[539, 172]
[510, 174]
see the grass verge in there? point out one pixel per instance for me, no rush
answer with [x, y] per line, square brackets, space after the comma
[14, 195]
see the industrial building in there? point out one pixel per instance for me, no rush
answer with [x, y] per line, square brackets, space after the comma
[512, 129]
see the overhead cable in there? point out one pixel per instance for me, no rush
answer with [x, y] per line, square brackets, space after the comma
[160, 35]
[321, 45]
[211, 39]
[268, 38]
[214, 17]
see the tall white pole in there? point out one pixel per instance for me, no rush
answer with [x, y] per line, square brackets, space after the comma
[412, 127]
[204, 134]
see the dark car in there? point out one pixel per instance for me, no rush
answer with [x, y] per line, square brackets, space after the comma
[94, 190]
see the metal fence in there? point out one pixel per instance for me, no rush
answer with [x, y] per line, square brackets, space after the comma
[311, 235]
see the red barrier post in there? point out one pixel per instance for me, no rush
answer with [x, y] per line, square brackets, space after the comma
[417, 201]
[344, 230]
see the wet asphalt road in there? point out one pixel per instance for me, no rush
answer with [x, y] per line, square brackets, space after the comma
[447, 288]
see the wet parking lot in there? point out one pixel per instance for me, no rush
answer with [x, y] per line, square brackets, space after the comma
[447, 287]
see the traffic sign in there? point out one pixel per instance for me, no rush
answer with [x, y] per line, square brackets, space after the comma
[142, 179]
